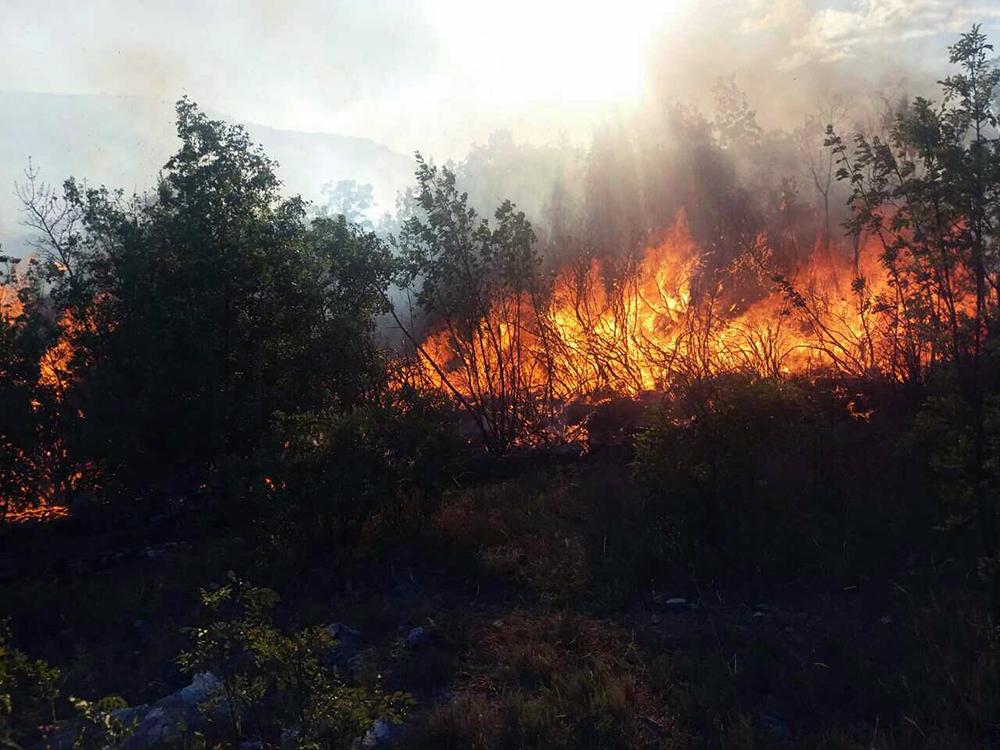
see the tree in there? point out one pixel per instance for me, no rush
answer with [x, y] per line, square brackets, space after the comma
[930, 194]
[820, 160]
[349, 199]
[476, 282]
[207, 305]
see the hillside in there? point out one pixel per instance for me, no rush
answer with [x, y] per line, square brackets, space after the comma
[124, 141]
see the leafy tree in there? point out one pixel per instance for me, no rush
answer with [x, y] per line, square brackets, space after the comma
[476, 283]
[322, 477]
[103, 724]
[930, 195]
[349, 199]
[30, 415]
[735, 121]
[273, 681]
[202, 308]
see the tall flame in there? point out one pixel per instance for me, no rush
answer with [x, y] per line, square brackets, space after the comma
[45, 476]
[646, 324]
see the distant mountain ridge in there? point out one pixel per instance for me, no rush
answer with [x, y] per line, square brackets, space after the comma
[123, 142]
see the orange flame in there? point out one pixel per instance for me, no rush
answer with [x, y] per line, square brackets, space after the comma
[44, 476]
[665, 317]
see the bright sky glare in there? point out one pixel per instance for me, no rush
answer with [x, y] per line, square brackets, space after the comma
[441, 74]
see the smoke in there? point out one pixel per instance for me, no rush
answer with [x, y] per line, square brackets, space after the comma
[442, 76]
[730, 127]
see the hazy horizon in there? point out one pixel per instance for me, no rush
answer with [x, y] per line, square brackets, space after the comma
[441, 75]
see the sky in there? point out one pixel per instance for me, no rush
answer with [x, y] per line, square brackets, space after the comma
[440, 75]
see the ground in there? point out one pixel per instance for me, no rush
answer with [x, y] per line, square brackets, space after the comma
[546, 621]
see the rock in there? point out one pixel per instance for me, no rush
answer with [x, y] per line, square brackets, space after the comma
[381, 734]
[676, 602]
[156, 727]
[177, 714]
[253, 744]
[348, 644]
[340, 631]
[758, 614]
[166, 723]
[290, 738]
[416, 637]
[203, 686]
[357, 661]
[886, 620]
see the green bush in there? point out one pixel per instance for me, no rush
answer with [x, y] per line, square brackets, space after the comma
[270, 681]
[28, 692]
[770, 472]
[203, 307]
[102, 726]
[323, 479]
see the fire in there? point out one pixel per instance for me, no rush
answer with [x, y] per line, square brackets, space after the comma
[649, 323]
[43, 477]
[54, 366]
[10, 303]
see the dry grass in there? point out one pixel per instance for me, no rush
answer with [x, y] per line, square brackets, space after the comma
[554, 681]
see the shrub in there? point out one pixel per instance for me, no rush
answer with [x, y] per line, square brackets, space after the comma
[281, 681]
[324, 478]
[28, 692]
[770, 471]
[103, 725]
[558, 681]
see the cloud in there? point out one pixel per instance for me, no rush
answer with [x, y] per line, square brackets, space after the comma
[846, 31]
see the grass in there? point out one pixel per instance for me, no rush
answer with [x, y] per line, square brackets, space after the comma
[545, 594]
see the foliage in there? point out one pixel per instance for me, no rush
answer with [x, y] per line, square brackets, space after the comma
[270, 681]
[103, 724]
[473, 280]
[739, 468]
[930, 195]
[557, 681]
[322, 478]
[348, 199]
[29, 414]
[28, 692]
[707, 448]
[199, 310]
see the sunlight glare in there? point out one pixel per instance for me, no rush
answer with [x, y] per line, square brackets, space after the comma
[567, 53]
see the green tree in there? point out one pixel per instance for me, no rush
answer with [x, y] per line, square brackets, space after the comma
[207, 305]
[349, 199]
[28, 692]
[477, 284]
[930, 195]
